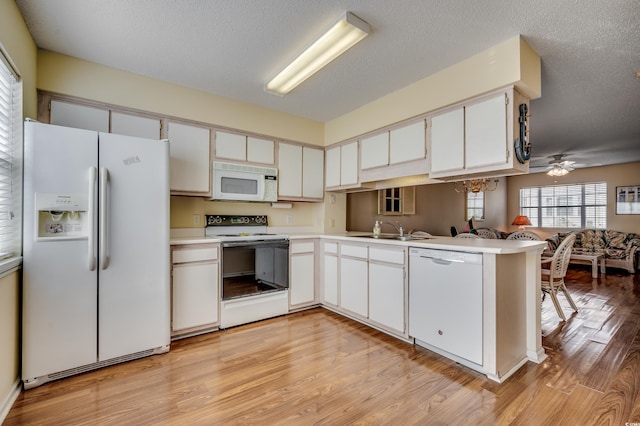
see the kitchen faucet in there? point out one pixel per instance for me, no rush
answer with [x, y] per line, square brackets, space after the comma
[397, 227]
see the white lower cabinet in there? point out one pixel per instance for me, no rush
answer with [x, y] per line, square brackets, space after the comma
[302, 274]
[387, 296]
[354, 295]
[195, 288]
[330, 273]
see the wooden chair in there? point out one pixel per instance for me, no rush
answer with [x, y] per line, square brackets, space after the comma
[552, 280]
[524, 235]
[467, 235]
[486, 234]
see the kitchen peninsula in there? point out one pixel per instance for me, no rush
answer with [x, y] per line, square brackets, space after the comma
[368, 280]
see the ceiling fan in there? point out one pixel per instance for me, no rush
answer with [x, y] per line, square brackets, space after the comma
[559, 167]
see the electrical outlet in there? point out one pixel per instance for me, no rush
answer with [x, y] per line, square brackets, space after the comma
[289, 219]
[332, 199]
[332, 223]
[196, 219]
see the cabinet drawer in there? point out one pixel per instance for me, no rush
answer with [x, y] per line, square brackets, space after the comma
[302, 247]
[195, 254]
[354, 251]
[331, 248]
[386, 255]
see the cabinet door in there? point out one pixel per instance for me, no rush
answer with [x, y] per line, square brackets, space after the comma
[330, 279]
[374, 151]
[260, 150]
[194, 295]
[231, 146]
[447, 141]
[79, 116]
[407, 143]
[349, 164]
[134, 125]
[387, 296]
[189, 158]
[333, 167]
[302, 283]
[312, 172]
[486, 133]
[354, 285]
[289, 170]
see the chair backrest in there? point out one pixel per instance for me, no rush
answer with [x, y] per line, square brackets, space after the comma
[525, 235]
[560, 259]
[467, 235]
[485, 233]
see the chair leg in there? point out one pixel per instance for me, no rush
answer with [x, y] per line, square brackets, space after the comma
[568, 296]
[556, 303]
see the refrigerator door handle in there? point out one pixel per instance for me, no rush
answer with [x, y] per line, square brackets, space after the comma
[104, 243]
[91, 219]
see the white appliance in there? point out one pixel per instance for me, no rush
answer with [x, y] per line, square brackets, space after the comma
[239, 182]
[96, 250]
[255, 269]
[445, 303]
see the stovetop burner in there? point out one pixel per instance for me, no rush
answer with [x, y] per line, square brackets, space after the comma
[239, 228]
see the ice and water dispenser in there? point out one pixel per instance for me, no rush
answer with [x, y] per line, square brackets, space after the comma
[61, 216]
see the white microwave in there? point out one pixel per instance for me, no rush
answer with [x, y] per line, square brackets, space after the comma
[239, 182]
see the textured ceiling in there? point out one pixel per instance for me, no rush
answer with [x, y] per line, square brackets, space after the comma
[590, 49]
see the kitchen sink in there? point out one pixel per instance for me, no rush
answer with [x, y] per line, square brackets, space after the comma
[393, 237]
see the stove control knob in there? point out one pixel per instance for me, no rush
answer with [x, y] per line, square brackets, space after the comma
[216, 220]
[245, 220]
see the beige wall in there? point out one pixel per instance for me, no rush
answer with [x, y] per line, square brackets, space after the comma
[18, 44]
[438, 208]
[617, 175]
[510, 62]
[70, 76]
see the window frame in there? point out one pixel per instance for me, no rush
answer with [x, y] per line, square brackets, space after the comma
[469, 209]
[11, 147]
[537, 210]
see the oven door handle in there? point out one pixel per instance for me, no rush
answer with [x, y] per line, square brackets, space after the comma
[261, 243]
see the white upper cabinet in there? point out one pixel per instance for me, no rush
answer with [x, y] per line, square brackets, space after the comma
[447, 141]
[135, 125]
[79, 116]
[312, 173]
[238, 147]
[408, 143]
[333, 167]
[349, 164]
[260, 150]
[300, 172]
[342, 166]
[230, 146]
[486, 133]
[289, 170]
[477, 137]
[189, 160]
[374, 151]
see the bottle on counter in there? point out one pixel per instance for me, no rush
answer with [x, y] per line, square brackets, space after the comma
[376, 229]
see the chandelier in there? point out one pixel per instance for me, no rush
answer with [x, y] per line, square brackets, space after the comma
[476, 185]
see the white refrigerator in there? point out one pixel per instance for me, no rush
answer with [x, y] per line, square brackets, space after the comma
[96, 250]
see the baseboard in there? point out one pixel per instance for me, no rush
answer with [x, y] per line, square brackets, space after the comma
[8, 401]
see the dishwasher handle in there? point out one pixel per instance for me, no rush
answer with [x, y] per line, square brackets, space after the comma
[442, 261]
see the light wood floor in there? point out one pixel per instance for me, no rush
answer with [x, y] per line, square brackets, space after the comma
[316, 367]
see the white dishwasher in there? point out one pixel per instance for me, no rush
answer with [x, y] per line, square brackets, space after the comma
[445, 302]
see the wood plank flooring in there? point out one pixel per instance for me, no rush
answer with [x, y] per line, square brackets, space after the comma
[316, 367]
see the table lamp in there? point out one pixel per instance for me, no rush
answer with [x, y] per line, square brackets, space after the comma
[521, 221]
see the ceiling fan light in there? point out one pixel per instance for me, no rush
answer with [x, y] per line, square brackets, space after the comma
[344, 34]
[558, 171]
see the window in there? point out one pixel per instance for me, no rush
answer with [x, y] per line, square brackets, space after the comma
[10, 160]
[397, 201]
[576, 206]
[475, 205]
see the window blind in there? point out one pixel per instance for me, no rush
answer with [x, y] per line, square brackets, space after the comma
[566, 206]
[10, 160]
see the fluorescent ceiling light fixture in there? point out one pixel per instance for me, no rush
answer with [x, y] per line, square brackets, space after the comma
[338, 39]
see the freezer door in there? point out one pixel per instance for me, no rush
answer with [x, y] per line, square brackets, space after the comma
[134, 292]
[59, 289]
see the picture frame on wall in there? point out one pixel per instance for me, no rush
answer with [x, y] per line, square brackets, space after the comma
[628, 199]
